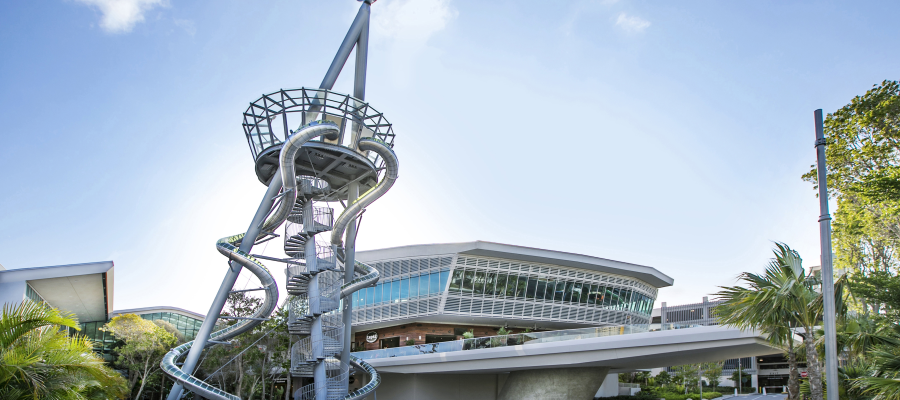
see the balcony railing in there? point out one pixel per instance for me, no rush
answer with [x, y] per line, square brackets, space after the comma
[526, 339]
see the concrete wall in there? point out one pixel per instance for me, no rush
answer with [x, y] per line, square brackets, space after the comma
[610, 386]
[553, 384]
[440, 386]
[12, 293]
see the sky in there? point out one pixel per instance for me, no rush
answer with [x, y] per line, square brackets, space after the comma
[666, 134]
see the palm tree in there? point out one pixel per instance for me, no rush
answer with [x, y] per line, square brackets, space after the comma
[783, 301]
[883, 383]
[38, 359]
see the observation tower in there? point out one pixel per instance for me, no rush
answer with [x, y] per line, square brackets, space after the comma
[311, 147]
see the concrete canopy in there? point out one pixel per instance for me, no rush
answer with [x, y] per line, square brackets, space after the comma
[624, 352]
[83, 289]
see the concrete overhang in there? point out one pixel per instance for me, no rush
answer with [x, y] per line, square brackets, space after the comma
[649, 275]
[625, 352]
[83, 289]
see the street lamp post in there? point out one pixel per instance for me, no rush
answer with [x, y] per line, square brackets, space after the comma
[831, 374]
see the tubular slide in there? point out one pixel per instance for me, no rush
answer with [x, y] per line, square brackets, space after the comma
[316, 285]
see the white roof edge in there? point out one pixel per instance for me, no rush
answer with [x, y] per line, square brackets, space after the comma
[491, 249]
[148, 310]
[55, 271]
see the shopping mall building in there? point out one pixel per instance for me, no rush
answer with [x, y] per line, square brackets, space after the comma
[437, 292]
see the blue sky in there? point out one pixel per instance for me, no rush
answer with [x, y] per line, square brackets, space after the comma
[668, 134]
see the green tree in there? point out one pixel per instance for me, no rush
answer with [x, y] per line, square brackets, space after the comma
[231, 364]
[687, 375]
[744, 378]
[39, 360]
[782, 301]
[144, 344]
[883, 381]
[712, 371]
[863, 153]
[663, 378]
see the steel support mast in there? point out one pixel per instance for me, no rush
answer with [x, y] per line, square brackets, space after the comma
[831, 362]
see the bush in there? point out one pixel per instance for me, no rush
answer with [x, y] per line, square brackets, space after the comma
[410, 342]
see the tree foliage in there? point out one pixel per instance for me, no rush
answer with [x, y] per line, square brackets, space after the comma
[144, 344]
[863, 156]
[39, 360]
[248, 364]
[782, 301]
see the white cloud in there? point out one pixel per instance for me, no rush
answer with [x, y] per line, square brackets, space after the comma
[404, 27]
[119, 16]
[187, 25]
[631, 24]
[412, 20]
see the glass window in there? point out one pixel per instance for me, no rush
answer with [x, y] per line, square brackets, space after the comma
[444, 274]
[378, 289]
[521, 287]
[423, 284]
[593, 296]
[548, 292]
[577, 290]
[585, 297]
[500, 289]
[511, 285]
[607, 296]
[414, 287]
[370, 295]
[355, 299]
[478, 287]
[567, 291]
[490, 283]
[626, 297]
[532, 288]
[455, 283]
[560, 291]
[435, 287]
[589, 294]
[468, 277]
[395, 291]
[617, 299]
[404, 288]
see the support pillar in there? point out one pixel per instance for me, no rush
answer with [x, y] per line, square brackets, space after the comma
[554, 384]
[610, 386]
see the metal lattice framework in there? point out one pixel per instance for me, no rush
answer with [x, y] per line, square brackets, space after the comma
[268, 119]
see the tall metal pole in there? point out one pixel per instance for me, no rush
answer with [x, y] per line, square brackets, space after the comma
[350, 40]
[234, 269]
[831, 364]
[359, 91]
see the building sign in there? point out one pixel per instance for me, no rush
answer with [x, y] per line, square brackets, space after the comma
[371, 337]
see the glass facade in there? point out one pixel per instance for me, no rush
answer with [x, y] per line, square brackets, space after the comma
[103, 341]
[188, 326]
[614, 294]
[403, 289]
[476, 286]
[32, 294]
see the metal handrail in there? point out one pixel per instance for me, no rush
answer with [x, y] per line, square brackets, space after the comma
[529, 338]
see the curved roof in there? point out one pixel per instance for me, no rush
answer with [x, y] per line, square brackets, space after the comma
[649, 275]
[150, 310]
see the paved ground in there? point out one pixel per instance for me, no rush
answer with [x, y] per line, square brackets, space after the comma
[757, 397]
